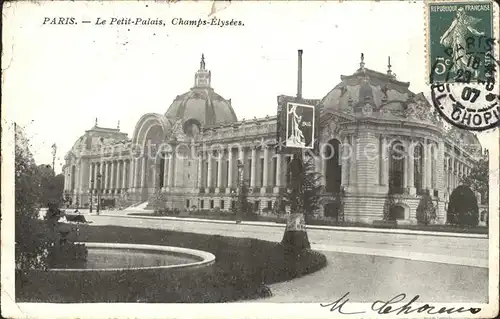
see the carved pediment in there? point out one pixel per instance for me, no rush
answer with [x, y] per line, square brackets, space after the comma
[331, 129]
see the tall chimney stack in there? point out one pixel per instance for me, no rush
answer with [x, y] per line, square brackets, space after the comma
[299, 75]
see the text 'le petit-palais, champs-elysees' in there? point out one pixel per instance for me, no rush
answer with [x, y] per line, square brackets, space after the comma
[127, 21]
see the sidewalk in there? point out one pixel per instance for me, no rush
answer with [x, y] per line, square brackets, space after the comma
[272, 224]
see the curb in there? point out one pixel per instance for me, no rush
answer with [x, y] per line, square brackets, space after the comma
[337, 228]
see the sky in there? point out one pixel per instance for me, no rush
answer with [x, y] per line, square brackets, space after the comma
[59, 78]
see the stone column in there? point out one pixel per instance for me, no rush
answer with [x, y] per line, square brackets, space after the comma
[324, 166]
[230, 168]
[411, 168]
[171, 162]
[154, 178]
[452, 173]
[445, 175]
[428, 166]
[124, 174]
[406, 164]
[317, 164]
[143, 171]
[113, 177]
[265, 179]
[106, 176]
[219, 169]
[210, 169]
[200, 170]
[352, 168]
[165, 170]
[279, 160]
[385, 162]
[90, 173]
[254, 166]
[133, 172]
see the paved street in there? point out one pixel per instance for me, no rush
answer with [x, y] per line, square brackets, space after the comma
[367, 270]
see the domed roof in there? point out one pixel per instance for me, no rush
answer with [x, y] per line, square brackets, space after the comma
[201, 102]
[364, 87]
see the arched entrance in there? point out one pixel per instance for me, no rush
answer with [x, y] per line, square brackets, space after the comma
[396, 168]
[153, 141]
[333, 167]
[397, 212]
[332, 210]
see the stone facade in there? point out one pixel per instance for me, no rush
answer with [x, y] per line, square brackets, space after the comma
[192, 152]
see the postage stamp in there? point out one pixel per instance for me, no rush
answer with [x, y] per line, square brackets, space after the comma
[196, 159]
[460, 41]
[463, 63]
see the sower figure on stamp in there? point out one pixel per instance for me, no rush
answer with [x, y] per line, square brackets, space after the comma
[455, 37]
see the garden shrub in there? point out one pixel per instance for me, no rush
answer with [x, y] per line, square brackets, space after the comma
[426, 211]
[462, 208]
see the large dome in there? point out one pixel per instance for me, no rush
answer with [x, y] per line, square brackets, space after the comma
[201, 103]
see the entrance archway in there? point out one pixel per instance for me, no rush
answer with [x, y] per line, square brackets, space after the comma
[397, 212]
[153, 140]
[331, 210]
[333, 168]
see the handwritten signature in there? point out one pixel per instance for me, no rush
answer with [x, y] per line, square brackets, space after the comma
[384, 307]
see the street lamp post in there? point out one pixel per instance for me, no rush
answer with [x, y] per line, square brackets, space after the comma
[91, 191]
[98, 193]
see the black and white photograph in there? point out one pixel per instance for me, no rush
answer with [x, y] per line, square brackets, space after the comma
[244, 159]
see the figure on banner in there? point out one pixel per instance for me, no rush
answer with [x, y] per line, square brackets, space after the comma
[456, 37]
[295, 136]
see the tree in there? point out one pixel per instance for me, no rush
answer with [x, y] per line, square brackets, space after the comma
[52, 186]
[243, 208]
[33, 237]
[39, 244]
[462, 208]
[157, 201]
[426, 211]
[388, 205]
[311, 189]
[478, 179]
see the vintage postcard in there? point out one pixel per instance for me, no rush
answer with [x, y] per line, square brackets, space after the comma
[240, 159]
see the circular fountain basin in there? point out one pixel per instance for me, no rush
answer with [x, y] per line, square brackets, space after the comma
[117, 257]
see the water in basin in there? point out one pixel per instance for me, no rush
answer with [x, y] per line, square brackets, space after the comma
[102, 258]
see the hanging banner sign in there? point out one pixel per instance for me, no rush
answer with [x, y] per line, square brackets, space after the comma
[297, 124]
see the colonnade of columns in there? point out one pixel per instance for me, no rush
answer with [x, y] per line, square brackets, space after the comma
[262, 167]
[114, 175]
[455, 170]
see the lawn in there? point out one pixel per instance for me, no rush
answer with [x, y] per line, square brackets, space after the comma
[332, 222]
[242, 270]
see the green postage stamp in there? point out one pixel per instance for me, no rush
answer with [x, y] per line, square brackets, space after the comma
[460, 42]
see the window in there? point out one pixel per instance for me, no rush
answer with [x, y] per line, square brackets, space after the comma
[222, 204]
[396, 168]
[217, 173]
[187, 203]
[433, 168]
[233, 204]
[418, 163]
[228, 182]
[288, 171]
[211, 204]
[249, 169]
[202, 204]
[269, 205]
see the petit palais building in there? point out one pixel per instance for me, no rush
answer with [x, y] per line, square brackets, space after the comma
[196, 152]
